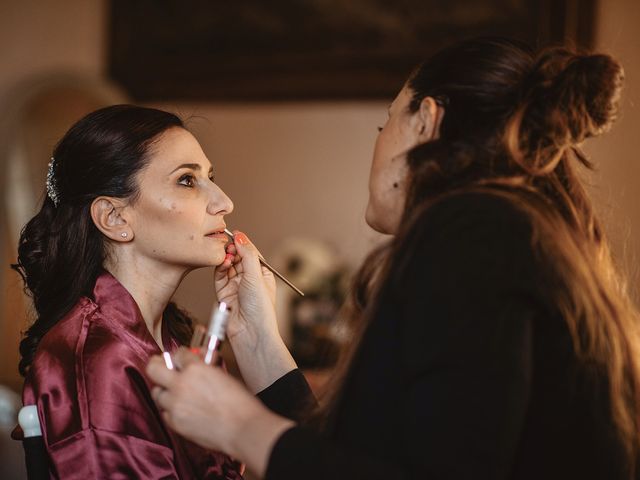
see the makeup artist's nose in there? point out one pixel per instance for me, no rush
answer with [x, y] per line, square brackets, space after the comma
[219, 203]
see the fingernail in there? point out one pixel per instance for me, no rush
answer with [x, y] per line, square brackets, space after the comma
[240, 238]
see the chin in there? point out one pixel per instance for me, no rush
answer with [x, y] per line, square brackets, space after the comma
[370, 218]
[385, 227]
[375, 223]
[217, 260]
[212, 258]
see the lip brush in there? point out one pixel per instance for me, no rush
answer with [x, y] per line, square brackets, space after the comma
[273, 270]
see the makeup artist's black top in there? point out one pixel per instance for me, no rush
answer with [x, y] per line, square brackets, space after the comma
[465, 372]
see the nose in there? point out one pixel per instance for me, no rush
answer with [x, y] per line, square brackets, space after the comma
[220, 203]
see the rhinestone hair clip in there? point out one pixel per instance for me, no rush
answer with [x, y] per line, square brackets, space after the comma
[52, 188]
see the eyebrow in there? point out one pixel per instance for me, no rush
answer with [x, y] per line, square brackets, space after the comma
[192, 166]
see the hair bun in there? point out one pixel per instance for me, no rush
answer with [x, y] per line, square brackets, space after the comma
[604, 77]
[580, 93]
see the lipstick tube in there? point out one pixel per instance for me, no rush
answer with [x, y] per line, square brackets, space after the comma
[216, 334]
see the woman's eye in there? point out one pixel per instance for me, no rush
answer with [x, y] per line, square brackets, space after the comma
[187, 180]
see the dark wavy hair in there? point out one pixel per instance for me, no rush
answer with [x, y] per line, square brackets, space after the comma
[513, 124]
[61, 252]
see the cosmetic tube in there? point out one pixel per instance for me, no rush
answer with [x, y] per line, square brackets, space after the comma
[216, 335]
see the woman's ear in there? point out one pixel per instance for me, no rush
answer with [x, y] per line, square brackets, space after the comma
[106, 213]
[430, 116]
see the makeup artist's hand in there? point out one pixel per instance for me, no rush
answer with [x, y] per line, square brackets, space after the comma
[211, 408]
[249, 289]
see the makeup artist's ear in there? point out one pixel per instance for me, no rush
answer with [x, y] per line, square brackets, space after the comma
[430, 116]
[107, 215]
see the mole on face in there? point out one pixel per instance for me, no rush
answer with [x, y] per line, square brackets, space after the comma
[192, 236]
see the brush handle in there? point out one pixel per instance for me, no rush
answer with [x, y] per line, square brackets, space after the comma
[281, 277]
[273, 270]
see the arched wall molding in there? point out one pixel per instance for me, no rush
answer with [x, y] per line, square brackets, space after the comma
[16, 169]
[35, 114]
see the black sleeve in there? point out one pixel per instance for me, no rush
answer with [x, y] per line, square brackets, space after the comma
[289, 396]
[464, 301]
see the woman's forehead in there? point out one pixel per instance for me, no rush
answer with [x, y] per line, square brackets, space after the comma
[175, 147]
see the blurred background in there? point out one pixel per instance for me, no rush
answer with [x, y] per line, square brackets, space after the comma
[285, 98]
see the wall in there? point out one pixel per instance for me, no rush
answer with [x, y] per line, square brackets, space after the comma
[616, 182]
[40, 36]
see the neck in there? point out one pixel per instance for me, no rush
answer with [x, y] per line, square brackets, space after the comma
[151, 284]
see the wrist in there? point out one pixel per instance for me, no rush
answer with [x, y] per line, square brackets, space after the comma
[251, 328]
[255, 437]
[262, 360]
[247, 338]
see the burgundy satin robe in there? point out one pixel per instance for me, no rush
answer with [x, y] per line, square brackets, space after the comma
[97, 415]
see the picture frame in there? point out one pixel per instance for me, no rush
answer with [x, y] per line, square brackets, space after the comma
[209, 50]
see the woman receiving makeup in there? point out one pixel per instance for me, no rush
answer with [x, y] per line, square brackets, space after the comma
[131, 208]
[496, 339]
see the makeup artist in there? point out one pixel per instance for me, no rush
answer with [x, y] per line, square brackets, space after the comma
[496, 339]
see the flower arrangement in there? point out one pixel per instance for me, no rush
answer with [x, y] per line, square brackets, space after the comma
[310, 324]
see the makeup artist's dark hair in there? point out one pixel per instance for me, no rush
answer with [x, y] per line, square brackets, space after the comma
[513, 122]
[61, 251]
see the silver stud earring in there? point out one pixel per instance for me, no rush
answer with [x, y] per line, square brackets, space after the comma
[123, 234]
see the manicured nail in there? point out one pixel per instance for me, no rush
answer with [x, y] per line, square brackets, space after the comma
[240, 238]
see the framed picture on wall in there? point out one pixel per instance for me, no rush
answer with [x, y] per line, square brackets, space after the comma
[311, 49]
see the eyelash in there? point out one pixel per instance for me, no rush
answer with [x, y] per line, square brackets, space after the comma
[191, 179]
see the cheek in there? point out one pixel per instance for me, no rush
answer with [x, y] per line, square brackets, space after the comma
[381, 146]
[387, 147]
[171, 210]
[378, 161]
[165, 215]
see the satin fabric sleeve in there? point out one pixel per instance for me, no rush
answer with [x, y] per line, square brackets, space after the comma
[94, 404]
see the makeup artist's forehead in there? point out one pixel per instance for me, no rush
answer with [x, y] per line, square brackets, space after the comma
[175, 147]
[401, 101]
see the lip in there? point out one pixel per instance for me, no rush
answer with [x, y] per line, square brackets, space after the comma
[218, 233]
[219, 229]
